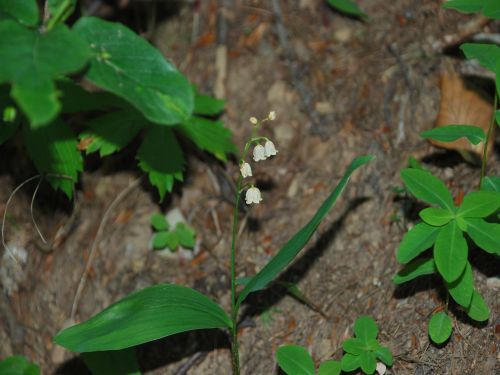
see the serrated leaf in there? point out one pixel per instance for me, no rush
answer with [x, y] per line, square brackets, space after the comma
[149, 314]
[479, 204]
[368, 362]
[290, 250]
[465, 6]
[113, 131]
[365, 328]
[436, 216]
[53, 150]
[159, 222]
[207, 105]
[24, 11]
[350, 362]
[486, 54]
[491, 183]
[461, 290]
[295, 360]
[161, 157]
[440, 327]
[160, 92]
[347, 7]
[423, 185]
[485, 235]
[384, 354]
[450, 133]
[450, 252]
[478, 309]
[354, 346]
[418, 239]
[330, 368]
[164, 239]
[30, 60]
[186, 235]
[414, 269]
[18, 365]
[122, 362]
[209, 136]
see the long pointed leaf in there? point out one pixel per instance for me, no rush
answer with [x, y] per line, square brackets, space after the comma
[426, 187]
[461, 289]
[419, 267]
[450, 133]
[450, 252]
[290, 250]
[418, 239]
[485, 235]
[479, 204]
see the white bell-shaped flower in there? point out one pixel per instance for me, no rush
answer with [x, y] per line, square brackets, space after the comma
[253, 195]
[259, 153]
[272, 115]
[381, 368]
[254, 120]
[269, 149]
[246, 170]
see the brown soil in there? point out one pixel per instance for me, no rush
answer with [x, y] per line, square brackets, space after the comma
[341, 88]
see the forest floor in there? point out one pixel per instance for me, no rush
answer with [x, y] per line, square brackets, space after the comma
[341, 88]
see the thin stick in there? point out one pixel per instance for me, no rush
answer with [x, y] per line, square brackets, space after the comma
[94, 248]
[31, 211]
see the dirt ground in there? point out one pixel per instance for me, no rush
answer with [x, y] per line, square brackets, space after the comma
[341, 88]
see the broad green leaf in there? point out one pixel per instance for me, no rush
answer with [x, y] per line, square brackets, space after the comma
[491, 183]
[24, 11]
[53, 150]
[418, 267]
[365, 328]
[423, 185]
[436, 216]
[368, 362]
[479, 204]
[485, 235]
[450, 252]
[209, 136]
[478, 309]
[486, 54]
[186, 235]
[159, 222]
[164, 239]
[465, 6]
[347, 7]
[384, 354]
[354, 346]
[330, 368]
[350, 362]
[113, 131]
[120, 56]
[207, 105]
[461, 289]
[18, 365]
[149, 314]
[440, 327]
[290, 250]
[491, 9]
[161, 157]
[418, 239]
[60, 10]
[295, 360]
[30, 60]
[450, 133]
[118, 362]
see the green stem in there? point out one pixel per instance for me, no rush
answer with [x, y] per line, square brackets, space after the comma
[488, 136]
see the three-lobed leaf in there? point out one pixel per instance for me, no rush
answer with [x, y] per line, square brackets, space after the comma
[414, 269]
[450, 133]
[423, 185]
[440, 327]
[149, 314]
[450, 252]
[295, 360]
[418, 239]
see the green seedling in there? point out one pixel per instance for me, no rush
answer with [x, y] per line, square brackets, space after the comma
[166, 237]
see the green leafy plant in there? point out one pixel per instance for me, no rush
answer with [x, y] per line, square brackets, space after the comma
[162, 310]
[18, 365]
[363, 351]
[347, 7]
[167, 237]
[135, 93]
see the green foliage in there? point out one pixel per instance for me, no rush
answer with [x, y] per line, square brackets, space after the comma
[121, 362]
[414, 269]
[440, 327]
[490, 8]
[18, 365]
[295, 360]
[426, 187]
[59, 11]
[451, 133]
[491, 183]
[182, 234]
[347, 7]
[330, 368]
[25, 11]
[149, 314]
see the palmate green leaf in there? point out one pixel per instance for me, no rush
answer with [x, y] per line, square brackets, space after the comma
[295, 360]
[384, 354]
[440, 327]
[418, 239]
[164, 239]
[423, 185]
[350, 362]
[436, 216]
[53, 150]
[450, 133]
[330, 368]
[461, 290]
[365, 328]
[465, 6]
[485, 235]
[450, 252]
[478, 309]
[290, 250]
[347, 7]
[414, 269]
[486, 54]
[30, 60]
[159, 222]
[160, 92]
[149, 314]
[209, 136]
[207, 105]
[111, 132]
[117, 362]
[186, 235]
[161, 157]
[368, 362]
[18, 365]
[354, 346]
[491, 183]
[23, 11]
[479, 204]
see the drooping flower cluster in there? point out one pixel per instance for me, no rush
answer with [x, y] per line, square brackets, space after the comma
[260, 152]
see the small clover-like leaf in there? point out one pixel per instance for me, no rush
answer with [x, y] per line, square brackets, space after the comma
[159, 222]
[440, 327]
[478, 309]
[418, 239]
[295, 360]
[353, 346]
[450, 252]
[419, 267]
[384, 354]
[368, 362]
[365, 328]
[350, 362]
[436, 216]
[186, 235]
[461, 289]
[164, 239]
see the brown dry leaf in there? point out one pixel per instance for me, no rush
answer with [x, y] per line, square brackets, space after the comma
[462, 105]
[253, 40]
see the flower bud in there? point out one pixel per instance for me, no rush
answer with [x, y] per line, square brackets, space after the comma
[272, 115]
